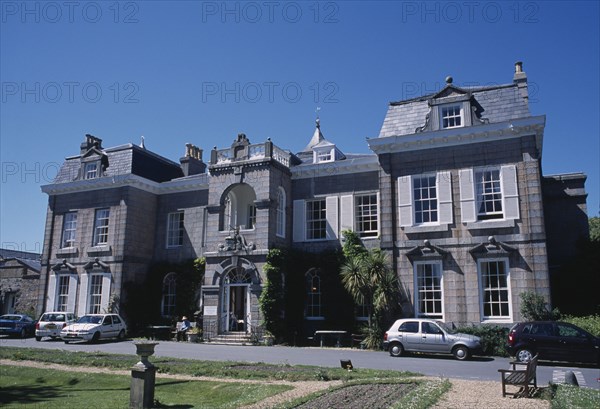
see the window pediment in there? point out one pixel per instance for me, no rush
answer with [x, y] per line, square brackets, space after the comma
[427, 251]
[492, 248]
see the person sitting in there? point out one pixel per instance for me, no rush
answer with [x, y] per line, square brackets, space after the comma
[183, 328]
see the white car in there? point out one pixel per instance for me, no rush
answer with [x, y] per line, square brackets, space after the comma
[51, 323]
[94, 327]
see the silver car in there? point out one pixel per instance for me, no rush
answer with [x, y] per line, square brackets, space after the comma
[51, 323]
[425, 335]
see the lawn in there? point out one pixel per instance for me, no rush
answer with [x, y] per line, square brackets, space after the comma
[47, 388]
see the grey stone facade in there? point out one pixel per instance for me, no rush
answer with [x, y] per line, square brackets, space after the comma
[484, 242]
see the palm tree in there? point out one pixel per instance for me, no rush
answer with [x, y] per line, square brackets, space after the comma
[368, 278]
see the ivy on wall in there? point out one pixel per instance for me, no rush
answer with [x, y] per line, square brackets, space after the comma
[142, 305]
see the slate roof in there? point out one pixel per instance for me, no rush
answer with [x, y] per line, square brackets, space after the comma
[31, 260]
[499, 102]
[126, 159]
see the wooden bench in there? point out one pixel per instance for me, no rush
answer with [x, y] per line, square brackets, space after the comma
[358, 340]
[520, 377]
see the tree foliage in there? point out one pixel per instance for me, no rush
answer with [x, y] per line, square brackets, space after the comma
[594, 229]
[368, 278]
[271, 300]
[534, 308]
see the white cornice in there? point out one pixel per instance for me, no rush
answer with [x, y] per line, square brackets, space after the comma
[346, 166]
[461, 136]
[130, 180]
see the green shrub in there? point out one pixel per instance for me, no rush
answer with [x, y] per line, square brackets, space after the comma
[493, 338]
[533, 308]
[590, 323]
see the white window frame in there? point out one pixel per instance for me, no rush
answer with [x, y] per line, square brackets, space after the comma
[69, 230]
[95, 294]
[488, 191]
[62, 292]
[90, 170]
[430, 201]
[169, 295]
[324, 154]
[372, 216]
[314, 296]
[175, 229]
[406, 202]
[280, 213]
[485, 292]
[451, 117]
[436, 270]
[101, 227]
[320, 222]
[470, 202]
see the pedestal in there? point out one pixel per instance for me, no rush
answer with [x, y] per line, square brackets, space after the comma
[143, 376]
[142, 387]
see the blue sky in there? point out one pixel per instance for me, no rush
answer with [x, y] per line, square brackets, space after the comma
[203, 71]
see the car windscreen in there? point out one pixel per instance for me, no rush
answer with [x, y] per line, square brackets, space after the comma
[52, 317]
[89, 319]
[10, 317]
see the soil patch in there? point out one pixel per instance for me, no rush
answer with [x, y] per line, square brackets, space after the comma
[372, 396]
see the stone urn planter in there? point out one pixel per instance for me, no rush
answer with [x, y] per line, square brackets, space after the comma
[144, 349]
[192, 337]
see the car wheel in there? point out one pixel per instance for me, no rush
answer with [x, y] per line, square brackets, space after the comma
[121, 336]
[524, 355]
[66, 342]
[38, 338]
[396, 349]
[23, 333]
[461, 353]
[95, 338]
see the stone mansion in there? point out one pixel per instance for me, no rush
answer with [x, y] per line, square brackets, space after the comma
[452, 190]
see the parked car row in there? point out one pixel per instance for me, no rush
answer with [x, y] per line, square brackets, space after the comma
[550, 340]
[64, 325]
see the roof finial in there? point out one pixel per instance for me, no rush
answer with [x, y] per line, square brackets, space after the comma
[318, 120]
[449, 79]
[142, 145]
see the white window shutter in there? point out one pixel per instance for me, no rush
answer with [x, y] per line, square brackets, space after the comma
[467, 195]
[331, 213]
[405, 201]
[510, 191]
[347, 213]
[444, 184]
[299, 219]
[84, 293]
[72, 293]
[105, 298]
[50, 305]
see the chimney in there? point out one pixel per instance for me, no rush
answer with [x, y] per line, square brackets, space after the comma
[520, 78]
[90, 142]
[191, 163]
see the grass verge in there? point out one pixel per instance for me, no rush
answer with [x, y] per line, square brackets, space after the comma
[46, 388]
[573, 397]
[227, 369]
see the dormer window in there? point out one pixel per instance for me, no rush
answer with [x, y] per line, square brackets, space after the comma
[324, 156]
[90, 170]
[451, 116]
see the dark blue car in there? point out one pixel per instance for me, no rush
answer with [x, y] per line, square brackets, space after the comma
[17, 325]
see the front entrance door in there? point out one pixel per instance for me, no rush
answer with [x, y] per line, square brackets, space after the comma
[237, 307]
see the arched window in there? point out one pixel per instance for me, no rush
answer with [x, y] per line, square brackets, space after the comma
[168, 295]
[280, 212]
[313, 295]
[238, 276]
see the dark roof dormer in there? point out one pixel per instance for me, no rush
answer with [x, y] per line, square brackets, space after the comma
[93, 159]
[452, 107]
